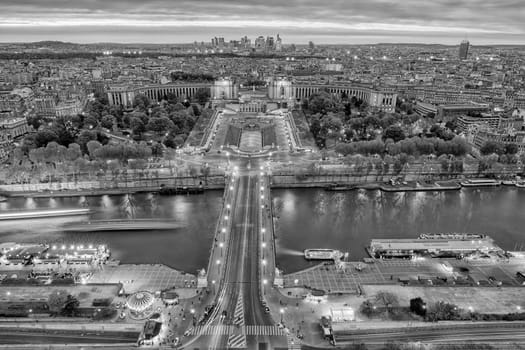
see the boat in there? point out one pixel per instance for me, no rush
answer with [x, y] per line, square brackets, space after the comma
[480, 183]
[452, 236]
[164, 190]
[322, 254]
[509, 182]
[120, 225]
[336, 187]
[37, 214]
[520, 184]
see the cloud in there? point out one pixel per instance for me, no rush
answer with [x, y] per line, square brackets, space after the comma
[496, 20]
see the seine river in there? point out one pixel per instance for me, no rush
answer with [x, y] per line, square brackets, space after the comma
[313, 218]
[185, 248]
[306, 218]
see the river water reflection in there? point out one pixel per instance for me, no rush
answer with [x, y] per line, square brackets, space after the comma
[307, 218]
[185, 248]
[314, 218]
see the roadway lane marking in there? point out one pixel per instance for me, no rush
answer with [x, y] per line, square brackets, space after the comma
[237, 341]
[238, 315]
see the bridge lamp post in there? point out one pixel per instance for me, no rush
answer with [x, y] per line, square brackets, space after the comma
[218, 262]
[223, 233]
[265, 282]
[264, 265]
[221, 245]
[264, 246]
[263, 230]
[192, 311]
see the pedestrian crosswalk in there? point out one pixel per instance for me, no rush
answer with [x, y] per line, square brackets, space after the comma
[264, 330]
[232, 329]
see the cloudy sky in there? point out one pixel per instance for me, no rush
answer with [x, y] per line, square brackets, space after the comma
[298, 21]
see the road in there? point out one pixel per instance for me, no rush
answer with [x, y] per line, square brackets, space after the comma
[238, 301]
[444, 335]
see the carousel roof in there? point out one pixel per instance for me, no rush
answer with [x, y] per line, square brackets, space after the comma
[140, 301]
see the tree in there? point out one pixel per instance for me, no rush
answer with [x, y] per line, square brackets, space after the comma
[92, 146]
[159, 125]
[491, 147]
[43, 137]
[91, 121]
[418, 306]
[56, 301]
[137, 125]
[141, 102]
[73, 152]
[511, 148]
[157, 150]
[84, 137]
[395, 133]
[108, 121]
[70, 306]
[202, 95]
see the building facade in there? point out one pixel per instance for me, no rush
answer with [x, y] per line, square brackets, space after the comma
[463, 50]
[281, 90]
[123, 95]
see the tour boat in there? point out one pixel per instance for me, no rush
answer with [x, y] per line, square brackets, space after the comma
[335, 187]
[480, 183]
[452, 236]
[322, 254]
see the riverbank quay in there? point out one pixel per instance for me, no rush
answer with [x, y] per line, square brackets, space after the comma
[112, 186]
[327, 290]
[67, 192]
[347, 277]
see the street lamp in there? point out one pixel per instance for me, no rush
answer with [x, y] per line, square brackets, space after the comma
[281, 311]
[221, 245]
[218, 262]
[264, 265]
[265, 282]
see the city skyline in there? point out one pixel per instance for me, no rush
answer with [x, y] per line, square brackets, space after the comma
[298, 21]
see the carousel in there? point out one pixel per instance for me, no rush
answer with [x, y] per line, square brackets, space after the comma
[140, 304]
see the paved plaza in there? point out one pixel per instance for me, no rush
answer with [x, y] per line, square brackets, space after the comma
[347, 277]
[144, 277]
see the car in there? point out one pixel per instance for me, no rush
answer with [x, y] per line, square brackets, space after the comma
[224, 314]
[267, 309]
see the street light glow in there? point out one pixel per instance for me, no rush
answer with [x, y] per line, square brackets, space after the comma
[265, 281]
[218, 262]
